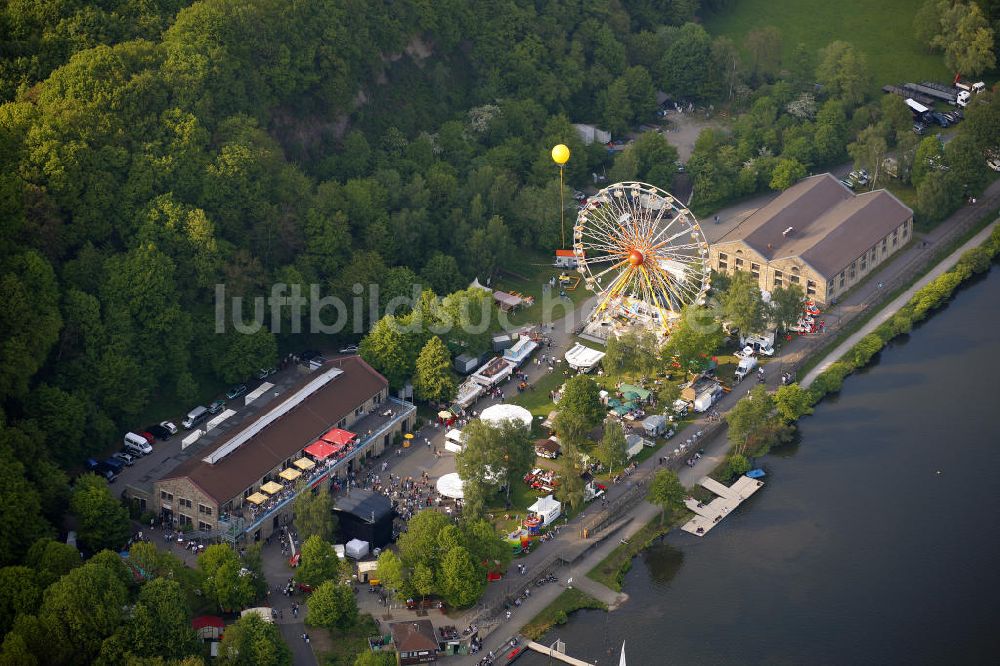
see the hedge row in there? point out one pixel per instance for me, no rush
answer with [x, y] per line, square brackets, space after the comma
[933, 295]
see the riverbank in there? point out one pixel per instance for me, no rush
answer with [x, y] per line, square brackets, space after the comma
[576, 552]
[558, 612]
[930, 291]
[820, 568]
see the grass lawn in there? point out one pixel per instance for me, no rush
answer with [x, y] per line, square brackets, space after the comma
[529, 276]
[558, 611]
[341, 648]
[881, 30]
[537, 401]
[611, 571]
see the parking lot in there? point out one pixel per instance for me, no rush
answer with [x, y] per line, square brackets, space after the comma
[167, 454]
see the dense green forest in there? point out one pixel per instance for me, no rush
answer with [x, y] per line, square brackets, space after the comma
[153, 149]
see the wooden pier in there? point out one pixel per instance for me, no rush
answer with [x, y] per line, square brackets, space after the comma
[709, 515]
[558, 656]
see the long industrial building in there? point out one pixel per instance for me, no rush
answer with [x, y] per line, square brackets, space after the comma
[243, 486]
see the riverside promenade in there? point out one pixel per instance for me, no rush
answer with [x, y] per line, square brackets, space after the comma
[897, 303]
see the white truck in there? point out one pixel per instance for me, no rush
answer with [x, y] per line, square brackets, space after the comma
[762, 343]
[707, 398]
[746, 365]
[967, 90]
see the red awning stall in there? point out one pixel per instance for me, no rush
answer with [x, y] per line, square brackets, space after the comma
[321, 450]
[339, 436]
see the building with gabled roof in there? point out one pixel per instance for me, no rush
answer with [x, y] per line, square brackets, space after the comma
[817, 234]
[244, 482]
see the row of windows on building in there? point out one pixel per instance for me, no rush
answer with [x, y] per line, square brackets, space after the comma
[184, 502]
[779, 276]
[867, 258]
[185, 520]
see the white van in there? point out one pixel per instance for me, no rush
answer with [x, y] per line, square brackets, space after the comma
[195, 416]
[137, 444]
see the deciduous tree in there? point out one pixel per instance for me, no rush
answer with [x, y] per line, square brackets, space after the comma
[611, 451]
[787, 172]
[786, 305]
[253, 641]
[843, 72]
[314, 514]
[742, 304]
[666, 491]
[103, 520]
[332, 605]
[227, 582]
[581, 396]
[792, 402]
[460, 580]
[495, 457]
[752, 421]
[318, 562]
[83, 607]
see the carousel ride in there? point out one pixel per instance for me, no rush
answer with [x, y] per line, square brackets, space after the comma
[644, 254]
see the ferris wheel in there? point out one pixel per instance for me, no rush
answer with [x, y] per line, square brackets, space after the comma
[642, 251]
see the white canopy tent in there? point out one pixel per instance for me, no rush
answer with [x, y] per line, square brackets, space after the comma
[451, 486]
[496, 414]
[356, 549]
[454, 441]
[547, 508]
[583, 359]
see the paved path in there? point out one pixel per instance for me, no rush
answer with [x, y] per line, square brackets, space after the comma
[897, 303]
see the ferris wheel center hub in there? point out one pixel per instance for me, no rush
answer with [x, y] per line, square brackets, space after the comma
[635, 258]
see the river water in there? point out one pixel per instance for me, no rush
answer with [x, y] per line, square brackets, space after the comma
[874, 541]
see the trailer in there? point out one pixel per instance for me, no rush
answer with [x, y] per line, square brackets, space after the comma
[707, 398]
[936, 90]
[493, 372]
[464, 363]
[917, 108]
[904, 93]
[468, 392]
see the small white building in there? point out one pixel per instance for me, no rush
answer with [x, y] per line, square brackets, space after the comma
[547, 508]
[592, 134]
[565, 259]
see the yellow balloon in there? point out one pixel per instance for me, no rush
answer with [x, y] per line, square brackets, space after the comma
[560, 154]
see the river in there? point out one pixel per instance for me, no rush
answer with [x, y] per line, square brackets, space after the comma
[874, 541]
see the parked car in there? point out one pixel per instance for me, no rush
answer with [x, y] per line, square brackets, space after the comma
[236, 392]
[169, 426]
[860, 177]
[115, 465]
[847, 182]
[159, 432]
[148, 436]
[136, 445]
[940, 119]
[349, 349]
[101, 469]
[993, 163]
[216, 406]
[125, 458]
[195, 416]
[264, 373]
[919, 128]
[308, 355]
